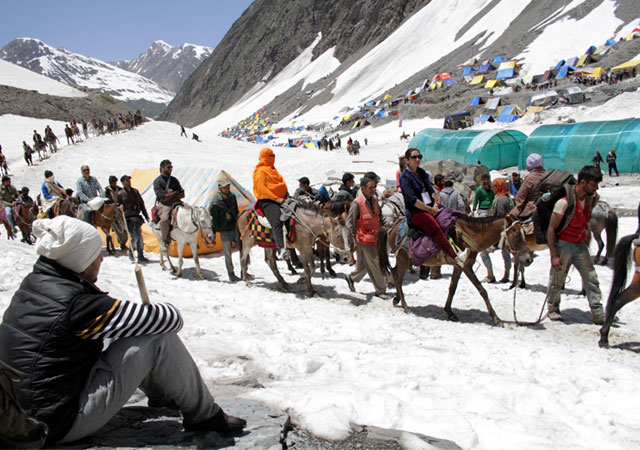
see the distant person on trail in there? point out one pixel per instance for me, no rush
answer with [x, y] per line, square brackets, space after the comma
[87, 188]
[195, 137]
[597, 159]
[183, 132]
[270, 190]
[501, 206]
[132, 205]
[483, 199]
[224, 217]
[567, 244]
[53, 338]
[3, 163]
[168, 192]
[69, 134]
[527, 194]
[611, 161]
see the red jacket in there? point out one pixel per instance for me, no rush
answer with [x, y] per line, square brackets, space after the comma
[368, 224]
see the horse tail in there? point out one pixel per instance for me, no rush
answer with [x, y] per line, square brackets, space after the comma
[381, 250]
[620, 266]
[612, 232]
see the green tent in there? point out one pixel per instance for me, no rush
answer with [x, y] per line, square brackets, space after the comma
[572, 146]
[496, 149]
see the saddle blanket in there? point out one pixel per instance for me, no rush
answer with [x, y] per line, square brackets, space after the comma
[262, 233]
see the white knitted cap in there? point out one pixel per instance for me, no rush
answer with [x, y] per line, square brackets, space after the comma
[71, 242]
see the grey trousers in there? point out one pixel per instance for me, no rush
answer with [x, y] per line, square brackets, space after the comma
[228, 238]
[367, 263]
[159, 365]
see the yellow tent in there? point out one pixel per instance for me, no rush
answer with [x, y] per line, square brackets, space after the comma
[346, 117]
[507, 65]
[386, 97]
[433, 86]
[534, 109]
[626, 66]
[477, 79]
[596, 72]
[200, 185]
[311, 144]
[492, 83]
[582, 61]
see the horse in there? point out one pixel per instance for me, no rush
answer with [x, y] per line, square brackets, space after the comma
[25, 214]
[188, 222]
[103, 218]
[473, 233]
[604, 217]
[311, 224]
[619, 296]
[65, 207]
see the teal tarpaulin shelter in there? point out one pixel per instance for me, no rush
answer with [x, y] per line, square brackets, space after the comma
[496, 149]
[572, 146]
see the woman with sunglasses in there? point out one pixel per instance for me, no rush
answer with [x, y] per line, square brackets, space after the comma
[420, 201]
[270, 190]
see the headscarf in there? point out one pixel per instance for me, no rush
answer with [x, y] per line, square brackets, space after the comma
[534, 160]
[267, 181]
[499, 187]
[71, 242]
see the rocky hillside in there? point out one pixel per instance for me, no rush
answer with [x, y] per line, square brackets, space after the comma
[166, 65]
[272, 33]
[79, 70]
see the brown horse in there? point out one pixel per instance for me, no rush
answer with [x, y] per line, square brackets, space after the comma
[619, 296]
[103, 219]
[311, 224]
[474, 234]
[65, 207]
[26, 213]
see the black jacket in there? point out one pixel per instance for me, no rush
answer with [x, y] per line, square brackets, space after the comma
[160, 188]
[224, 212]
[132, 203]
[37, 340]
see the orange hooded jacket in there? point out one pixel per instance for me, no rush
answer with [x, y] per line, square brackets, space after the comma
[267, 181]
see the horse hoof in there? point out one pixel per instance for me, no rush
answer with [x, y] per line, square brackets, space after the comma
[314, 294]
[396, 300]
[453, 318]
[522, 286]
[332, 274]
[497, 322]
[512, 286]
[603, 343]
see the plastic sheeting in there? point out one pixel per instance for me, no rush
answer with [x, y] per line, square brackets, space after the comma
[496, 149]
[572, 146]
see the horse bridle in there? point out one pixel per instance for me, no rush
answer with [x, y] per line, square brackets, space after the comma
[198, 225]
[331, 236]
[504, 239]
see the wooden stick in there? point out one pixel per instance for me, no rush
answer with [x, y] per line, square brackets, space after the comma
[144, 295]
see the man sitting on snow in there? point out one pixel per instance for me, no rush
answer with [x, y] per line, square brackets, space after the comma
[53, 334]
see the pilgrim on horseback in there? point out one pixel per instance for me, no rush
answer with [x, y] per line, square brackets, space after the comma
[52, 192]
[89, 190]
[130, 202]
[224, 217]
[566, 236]
[305, 191]
[528, 192]
[8, 201]
[364, 222]
[169, 193]
[271, 191]
[420, 201]
[111, 191]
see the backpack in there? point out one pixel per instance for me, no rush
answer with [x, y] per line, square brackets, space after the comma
[554, 185]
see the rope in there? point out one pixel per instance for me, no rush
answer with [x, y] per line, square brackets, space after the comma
[542, 315]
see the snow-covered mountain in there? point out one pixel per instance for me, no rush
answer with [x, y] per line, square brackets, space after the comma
[166, 65]
[79, 70]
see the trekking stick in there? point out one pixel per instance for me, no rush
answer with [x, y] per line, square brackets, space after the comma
[144, 295]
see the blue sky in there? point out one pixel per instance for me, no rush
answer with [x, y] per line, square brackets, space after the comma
[115, 29]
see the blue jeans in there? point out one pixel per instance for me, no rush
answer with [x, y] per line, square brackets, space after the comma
[134, 225]
[228, 238]
[8, 210]
[578, 256]
[86, 213]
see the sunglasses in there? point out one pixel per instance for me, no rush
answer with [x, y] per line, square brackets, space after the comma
[271, 156]
[85, 170]
[416, 156]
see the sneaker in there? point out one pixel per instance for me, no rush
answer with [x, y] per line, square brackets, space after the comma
[350, 283]
[143, 259]
[17, 430]
[220, 423]
[555, 316]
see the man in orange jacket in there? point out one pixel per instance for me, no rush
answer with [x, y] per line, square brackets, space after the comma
[270, 190]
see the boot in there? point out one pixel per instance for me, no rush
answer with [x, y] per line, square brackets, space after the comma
[490, 278]
[17, 430]
[221, 423]
[505, 277]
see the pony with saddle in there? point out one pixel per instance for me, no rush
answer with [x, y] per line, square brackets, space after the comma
[310, 224]
[23, 216]
[472, 233]
[187, 223]
[103, 215]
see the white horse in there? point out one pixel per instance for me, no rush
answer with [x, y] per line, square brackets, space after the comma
[189, 223]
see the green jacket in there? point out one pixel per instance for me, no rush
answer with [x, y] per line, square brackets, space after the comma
[224, 212]
[482, 199]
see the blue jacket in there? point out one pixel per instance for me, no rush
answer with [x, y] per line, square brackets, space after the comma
[413, 185]
[45, 190]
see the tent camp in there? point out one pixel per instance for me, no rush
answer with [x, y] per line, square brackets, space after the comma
[545, 99]
[584, 59]
[563, 71]
[503, 74]
[498, 59]
[572, 61]
[630, 68]
[571, 146]
[441, 77]
[485, 118]
[634, 34]
[468, 70]
[477, 79]
[492, 83]
[548, 75]
[594, 72]
[509, 113]
[494, 103]
[572, 95]
[458, 120]
[475, 101]
[496, 149]
[486, 68]
[200, 185]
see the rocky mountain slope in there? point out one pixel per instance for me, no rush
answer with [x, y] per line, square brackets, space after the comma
[79, 70]
[273, 33]
[166, 65]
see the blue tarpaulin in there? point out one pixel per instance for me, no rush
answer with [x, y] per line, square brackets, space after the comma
[590, 50]
[486, 68]
[476, 101]
[483, 118]
[507, 118]
[563, 71]
[560, 64]
[505, 73]
[449, 82]
[498, 59]
[610, 42]
[468, 70]
[370, 103]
